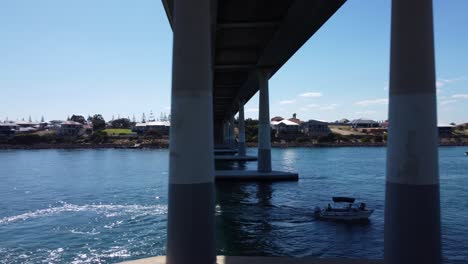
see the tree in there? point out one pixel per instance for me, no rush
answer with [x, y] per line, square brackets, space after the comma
[121, 123]
[143, 118]
[42, 119]
[251, 130]
[98, 122]
[453, 124]
[78, 118]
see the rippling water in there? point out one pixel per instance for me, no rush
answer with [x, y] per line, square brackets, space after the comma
[106, 206]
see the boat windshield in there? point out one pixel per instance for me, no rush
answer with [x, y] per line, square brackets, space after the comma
[344, 206]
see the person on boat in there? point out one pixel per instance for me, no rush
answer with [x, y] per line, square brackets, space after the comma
[329, 207]
[362, 206]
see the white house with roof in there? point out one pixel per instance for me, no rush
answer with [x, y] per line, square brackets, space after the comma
[25, 124]
[445, 130]
[285, 129]
[8, 129]
[70, 129]
[315, 128]
[364, 123]
[161, 127]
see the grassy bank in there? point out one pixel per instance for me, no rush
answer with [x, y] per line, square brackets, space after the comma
[117, 131]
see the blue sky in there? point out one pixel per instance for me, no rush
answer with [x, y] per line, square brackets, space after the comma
[113, 57]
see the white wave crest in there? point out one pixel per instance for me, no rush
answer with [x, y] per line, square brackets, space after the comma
[108, 210]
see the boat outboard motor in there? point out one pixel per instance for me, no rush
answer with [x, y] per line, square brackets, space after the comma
[317, 211]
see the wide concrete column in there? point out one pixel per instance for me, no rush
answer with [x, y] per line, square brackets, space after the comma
[264, 134]
[412, 207]
[190, 226]
[242, 147]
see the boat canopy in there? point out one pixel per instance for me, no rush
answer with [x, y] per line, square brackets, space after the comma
[343, 200]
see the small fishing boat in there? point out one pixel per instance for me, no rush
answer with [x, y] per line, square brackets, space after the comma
[344, 209]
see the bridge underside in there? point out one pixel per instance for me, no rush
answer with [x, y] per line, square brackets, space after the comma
[256, 34]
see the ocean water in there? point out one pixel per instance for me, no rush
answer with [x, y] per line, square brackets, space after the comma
[107, 206]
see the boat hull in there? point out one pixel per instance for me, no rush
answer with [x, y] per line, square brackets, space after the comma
[345, 216]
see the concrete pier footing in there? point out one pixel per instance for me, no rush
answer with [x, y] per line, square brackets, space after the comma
[265, 260]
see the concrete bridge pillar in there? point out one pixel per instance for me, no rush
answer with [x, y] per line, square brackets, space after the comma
[264, 134]
[412, 207]
[242, 147]
[190, 227]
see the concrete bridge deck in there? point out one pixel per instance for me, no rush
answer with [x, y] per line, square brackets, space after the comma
[265, 260]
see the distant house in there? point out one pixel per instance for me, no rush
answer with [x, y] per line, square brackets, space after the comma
[285, 129]
[445, 130]
[315, 128]
[27, 127]
[27, 130]
[277, 118]
[24, 124]
[43, 125]
[384, 124]
[55, 124]
[161, 127]
[342, 122]
[364, 123]
[70, 129]
[8, 129]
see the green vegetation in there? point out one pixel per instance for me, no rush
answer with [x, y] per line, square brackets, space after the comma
[78, 118]
[251, 130]
[98, 122]
[117, 131]
[99, 137]
[121, 123]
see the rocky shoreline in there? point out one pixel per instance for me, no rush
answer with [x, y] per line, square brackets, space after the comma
[87, 146]
[165, 145]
